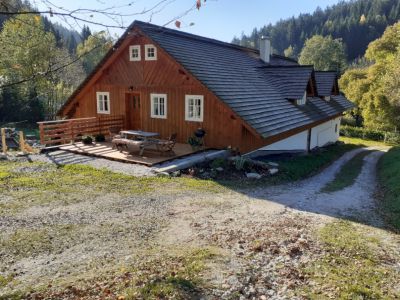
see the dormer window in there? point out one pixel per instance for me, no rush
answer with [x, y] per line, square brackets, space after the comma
[134, 53]
[303, 100]
[150, 52]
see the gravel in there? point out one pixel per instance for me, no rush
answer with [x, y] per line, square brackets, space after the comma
[265, 237]
[64, 158]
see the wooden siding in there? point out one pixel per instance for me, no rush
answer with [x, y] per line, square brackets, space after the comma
[120, 76]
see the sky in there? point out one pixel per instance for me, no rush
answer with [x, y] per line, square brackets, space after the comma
[219, 19]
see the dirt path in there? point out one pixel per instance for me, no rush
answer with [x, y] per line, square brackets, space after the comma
[356, 201]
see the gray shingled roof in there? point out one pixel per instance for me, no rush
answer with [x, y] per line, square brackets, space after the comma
[319, 109]
[256, 91]
[290, 80]
[325, 82]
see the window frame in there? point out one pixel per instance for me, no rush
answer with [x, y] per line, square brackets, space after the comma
[146, 54]
[131, 58]
[152, 112]
[194, 118]
[103, 111]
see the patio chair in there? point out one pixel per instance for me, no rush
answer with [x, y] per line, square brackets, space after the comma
[114, 131]
[167, 146]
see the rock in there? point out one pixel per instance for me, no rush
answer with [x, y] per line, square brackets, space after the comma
[163, 174]
[3, 156]
[176, 174]
[273, 171]
[253, 175]
[273, 164]
[219, 169]
[263, 297]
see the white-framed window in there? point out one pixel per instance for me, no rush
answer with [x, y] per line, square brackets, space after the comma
[134, 53]
[150, 52]
[103, 102]
[327, 98]
[158, 106]
[194, 108]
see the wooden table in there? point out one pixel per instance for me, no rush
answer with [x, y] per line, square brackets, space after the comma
[138, 133]
[144, 135]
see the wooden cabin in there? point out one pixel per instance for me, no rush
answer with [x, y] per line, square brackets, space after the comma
[167, 81]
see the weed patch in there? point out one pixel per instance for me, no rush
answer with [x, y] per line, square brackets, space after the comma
[176, 277]
[347, 174]
[353, 266]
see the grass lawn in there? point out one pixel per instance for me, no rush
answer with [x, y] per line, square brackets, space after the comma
[298, 167]
[43, 184]
[361, 142]
[389, 179]
[353, 265]
[347, 174]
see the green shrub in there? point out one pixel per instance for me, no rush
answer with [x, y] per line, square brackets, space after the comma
[218, 163]
[87, 140]
[369, 134]
[100, 138]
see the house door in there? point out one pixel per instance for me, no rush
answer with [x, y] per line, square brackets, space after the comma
[132, 102]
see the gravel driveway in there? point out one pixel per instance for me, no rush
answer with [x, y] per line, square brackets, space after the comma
[261, 239]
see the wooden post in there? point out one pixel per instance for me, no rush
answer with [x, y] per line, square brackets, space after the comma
[41, 132]
[3, 140]
[21, 141]
[71, 131]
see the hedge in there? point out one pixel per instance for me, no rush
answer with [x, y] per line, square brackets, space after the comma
[369, 134]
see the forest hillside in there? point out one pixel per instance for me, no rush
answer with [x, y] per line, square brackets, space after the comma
[356, 22]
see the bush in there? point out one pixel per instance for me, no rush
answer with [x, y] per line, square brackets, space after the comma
[369, 134]
[87, 140]
[218, 163]
[100, 138]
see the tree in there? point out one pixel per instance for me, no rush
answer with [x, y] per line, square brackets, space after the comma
[85, 33]
[375, 88]
[29, 56]
[325, 53]
[93, 49]
[356, 22]
[290, 52]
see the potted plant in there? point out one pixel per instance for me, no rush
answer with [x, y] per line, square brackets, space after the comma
[195, 142]
[87, 140]
[99, 138]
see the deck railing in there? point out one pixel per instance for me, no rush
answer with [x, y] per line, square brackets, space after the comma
[66, 131]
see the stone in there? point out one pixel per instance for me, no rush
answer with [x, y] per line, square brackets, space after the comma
[176, 174]
[3, 156]
[219, 169]
[163, 174]
[253, 175]
[273, 164]
[273, 171]
[263, 297]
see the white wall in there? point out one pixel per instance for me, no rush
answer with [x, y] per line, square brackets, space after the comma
[321, 135]
[295, 142]
[325, 133]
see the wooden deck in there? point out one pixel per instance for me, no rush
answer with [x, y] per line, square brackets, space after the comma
[149, 158]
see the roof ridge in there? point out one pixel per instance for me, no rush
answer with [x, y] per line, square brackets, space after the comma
[288, 66]
[194, 36]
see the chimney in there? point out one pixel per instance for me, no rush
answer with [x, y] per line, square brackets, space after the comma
[265, 49]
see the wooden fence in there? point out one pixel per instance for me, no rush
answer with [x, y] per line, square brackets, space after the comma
[60, 132]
